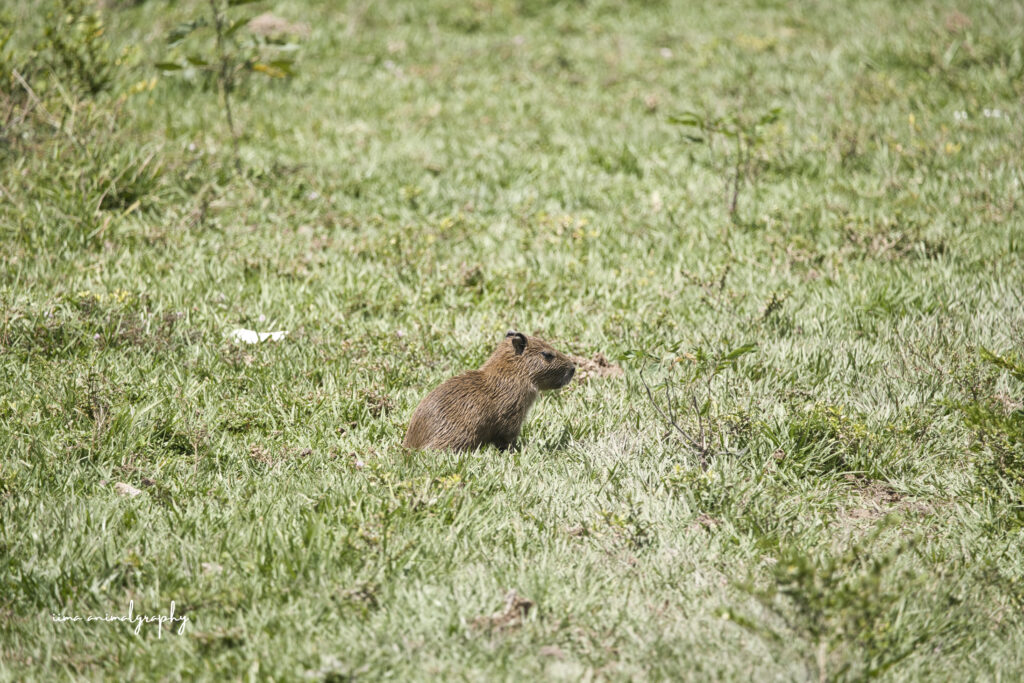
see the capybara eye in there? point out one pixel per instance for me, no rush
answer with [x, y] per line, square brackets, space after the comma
[548, 355]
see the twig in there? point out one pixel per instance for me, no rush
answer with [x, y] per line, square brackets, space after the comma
[672, 218]
[698, 449]
[736, 177]
[225, 79]
[669, 402]
[700, 422]
[36, 102]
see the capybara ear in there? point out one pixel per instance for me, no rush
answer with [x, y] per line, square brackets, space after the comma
[518, 340]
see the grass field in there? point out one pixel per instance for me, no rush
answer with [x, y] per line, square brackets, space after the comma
[827, 485]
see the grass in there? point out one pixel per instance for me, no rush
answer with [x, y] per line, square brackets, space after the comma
[848, 343]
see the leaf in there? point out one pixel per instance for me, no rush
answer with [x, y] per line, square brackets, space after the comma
[168, 66]
[732, 357]
[272, 71]
[693, 138]
[197, 61]
[285, 65]
[636, 354]
[236, 3]
[770, 117]
[740, 351]
[181, 31]
[239, 23]
[687, 118]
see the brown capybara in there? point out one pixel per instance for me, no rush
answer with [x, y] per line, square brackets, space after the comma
[488, 406]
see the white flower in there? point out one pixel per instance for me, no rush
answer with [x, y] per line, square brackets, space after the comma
[959, 116]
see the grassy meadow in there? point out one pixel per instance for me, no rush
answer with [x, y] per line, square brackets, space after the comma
[795, 226]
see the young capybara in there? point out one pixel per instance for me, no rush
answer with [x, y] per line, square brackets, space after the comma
[489, 405]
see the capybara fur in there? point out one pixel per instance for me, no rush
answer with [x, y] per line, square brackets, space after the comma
[489, 405]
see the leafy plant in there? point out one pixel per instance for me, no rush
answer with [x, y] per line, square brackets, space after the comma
[703, 369]
[845, 605]
[998, 425]
[10, 62]
[76, 48]
[736, 138]
[825, 438]
[227, 55]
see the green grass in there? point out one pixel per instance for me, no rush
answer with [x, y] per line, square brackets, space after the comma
[434, 174]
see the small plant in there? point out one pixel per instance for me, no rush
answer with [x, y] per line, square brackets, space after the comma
[826, 438]
[998, 425]
[706, 492]
[228, 54]
[76, 48]
[629, 524]
[10, 64]
[735, 138]
[845, 605]
[704, 368]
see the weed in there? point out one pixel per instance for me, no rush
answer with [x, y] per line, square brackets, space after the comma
[77, 49]
[738, 138]
[233, 54]
[846, 606]
[826, 438]
[998, 424]
[704, 368]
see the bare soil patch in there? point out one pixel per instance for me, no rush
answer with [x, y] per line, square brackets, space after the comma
[595, 367]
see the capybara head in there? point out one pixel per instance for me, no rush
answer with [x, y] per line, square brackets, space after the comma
[534, 359]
